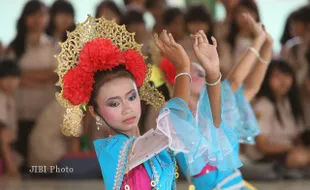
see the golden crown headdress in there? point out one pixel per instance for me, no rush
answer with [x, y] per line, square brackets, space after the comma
[69, 58]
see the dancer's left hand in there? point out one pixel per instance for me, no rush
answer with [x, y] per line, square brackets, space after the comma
[207, 55]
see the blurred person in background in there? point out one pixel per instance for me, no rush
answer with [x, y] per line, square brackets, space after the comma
[279, 112]
[109, 10]
[222, 27]
[198, 18]
[138, 5]
[239, 37]
[34, 51]
[134, 22]
[295, 49]
[173, 20]
[61, 20]
[49, 147]
[157, 9]
[9, 81]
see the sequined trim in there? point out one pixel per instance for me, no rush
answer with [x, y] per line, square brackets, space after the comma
[122, 164]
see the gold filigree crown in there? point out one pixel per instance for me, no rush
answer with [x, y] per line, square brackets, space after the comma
[68, 58]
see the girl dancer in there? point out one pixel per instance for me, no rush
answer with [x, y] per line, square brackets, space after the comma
[237, 111]
[101, 67]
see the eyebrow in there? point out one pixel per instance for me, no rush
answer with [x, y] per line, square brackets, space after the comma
[118, 97]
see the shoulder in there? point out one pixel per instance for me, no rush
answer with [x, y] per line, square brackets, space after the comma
[112, 145]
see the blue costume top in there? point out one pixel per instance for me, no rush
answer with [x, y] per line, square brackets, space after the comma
[237, 112]
[199, 142]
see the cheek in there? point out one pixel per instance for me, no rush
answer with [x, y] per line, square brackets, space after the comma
[197, 84]
[136, 106]
[111, 115]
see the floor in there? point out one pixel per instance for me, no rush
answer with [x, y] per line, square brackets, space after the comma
[98, 185]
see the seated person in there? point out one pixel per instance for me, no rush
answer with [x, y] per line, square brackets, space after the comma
[9, 80]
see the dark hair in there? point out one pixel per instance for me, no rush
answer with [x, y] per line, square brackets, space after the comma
[305, 138]
[234, 28]
[9, 68]
[293, 94]
[286, 33]
[126, 2]
[19, 42]
[132, 17]
[302, 14]
[199, 13]
[60, 6]
[170, 14]
[149, 4]
[110, 5]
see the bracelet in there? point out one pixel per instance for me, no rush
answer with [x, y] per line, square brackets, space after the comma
[216, 82]
[263, 61]
[181, 74]
[254, 51]
[258, 56]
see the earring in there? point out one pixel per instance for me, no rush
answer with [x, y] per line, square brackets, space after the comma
[98, 122]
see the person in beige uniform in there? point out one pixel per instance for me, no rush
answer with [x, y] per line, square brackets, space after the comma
[279, 112]
[234, 43]
[34, 52]
[9, 80]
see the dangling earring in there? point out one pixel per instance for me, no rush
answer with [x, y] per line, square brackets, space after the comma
[98, 122]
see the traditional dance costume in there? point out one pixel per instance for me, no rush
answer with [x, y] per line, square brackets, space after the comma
[238, 114]
[148, 161]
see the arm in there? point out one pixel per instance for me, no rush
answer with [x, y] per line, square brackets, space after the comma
[37, 78]
[177, 55]
[243, 68]
[208, 58]
[265, 147]
[254, 80]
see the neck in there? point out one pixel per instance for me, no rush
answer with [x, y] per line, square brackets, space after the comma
[132, 133]
[34, 37]
[280, 98]
[193, 103]
[58, 36]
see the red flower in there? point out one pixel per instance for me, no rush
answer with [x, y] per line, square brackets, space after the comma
[134, 63]
[78, 86]
[169, 70]
[100, 54]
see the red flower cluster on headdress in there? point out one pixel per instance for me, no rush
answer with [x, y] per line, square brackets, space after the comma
[98, 55]
[169, 70]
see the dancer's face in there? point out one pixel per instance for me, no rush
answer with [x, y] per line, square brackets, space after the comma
[119, 104]
[198, 76]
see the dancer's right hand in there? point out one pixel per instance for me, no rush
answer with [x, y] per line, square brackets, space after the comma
[173, 51]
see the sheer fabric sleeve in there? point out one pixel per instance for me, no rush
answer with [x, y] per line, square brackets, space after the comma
[197, 137]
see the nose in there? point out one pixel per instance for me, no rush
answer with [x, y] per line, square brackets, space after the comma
[126, 108]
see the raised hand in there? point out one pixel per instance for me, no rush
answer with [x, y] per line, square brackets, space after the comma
[206, 54]
[269, 40]
[173, 51]
[255, 27]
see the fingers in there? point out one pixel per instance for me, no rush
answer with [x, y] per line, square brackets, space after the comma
[164, 37]
[195, 44]
[172, 41]
[204, 36]
[214, 42]
[158, 43]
